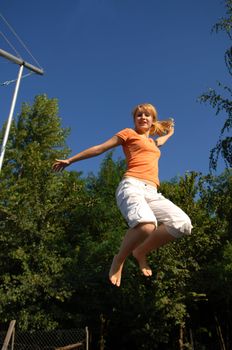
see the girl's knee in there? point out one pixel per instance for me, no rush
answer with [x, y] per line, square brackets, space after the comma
[186, 226]
[146, 228]
[181, 227]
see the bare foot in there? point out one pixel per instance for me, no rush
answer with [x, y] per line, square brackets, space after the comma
[115, 272]
[142, 260]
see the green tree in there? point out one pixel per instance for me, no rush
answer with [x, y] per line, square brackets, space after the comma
[222, 102]
[214, 277]
[34, 204]
[59, 233]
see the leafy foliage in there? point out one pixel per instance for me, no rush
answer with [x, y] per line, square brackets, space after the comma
[59, 233]
[222, 103]
[32, 218]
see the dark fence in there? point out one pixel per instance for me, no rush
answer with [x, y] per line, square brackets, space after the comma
[49, 340]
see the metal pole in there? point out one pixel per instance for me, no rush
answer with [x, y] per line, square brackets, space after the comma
[10, 116]
[8, 335]
[21, 62]
[13, 339]
[87, 338]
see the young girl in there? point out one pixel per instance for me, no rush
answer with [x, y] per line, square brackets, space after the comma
[153, 220]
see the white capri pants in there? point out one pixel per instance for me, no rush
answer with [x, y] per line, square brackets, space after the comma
[140, 202]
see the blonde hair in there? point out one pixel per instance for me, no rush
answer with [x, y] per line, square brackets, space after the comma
[158, 127]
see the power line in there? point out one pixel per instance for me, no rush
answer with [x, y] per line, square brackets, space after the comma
[19, 39]
[10, 44]
[22, 64]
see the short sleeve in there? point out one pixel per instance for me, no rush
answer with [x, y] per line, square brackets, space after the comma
[123, 134]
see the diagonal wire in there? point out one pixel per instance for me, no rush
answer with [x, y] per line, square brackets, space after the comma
[19, 39]
[10, 44]
[8, 82]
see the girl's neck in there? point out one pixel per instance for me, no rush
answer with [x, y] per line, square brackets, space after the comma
[143, 133]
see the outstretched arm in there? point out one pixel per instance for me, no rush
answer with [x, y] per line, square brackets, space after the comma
[162, 139]
[94, 151]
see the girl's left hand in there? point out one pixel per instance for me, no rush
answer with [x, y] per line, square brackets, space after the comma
[60, 164]
[170, 130]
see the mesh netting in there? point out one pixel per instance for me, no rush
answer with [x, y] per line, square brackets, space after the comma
[47, 340]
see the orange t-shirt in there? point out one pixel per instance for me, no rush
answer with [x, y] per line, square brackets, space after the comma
[142, 156]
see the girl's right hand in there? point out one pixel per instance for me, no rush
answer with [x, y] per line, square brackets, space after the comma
[60, 164]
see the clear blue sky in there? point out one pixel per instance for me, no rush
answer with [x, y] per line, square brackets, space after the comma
[103, 57]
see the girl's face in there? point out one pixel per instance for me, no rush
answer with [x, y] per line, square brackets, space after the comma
[143, 121]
